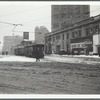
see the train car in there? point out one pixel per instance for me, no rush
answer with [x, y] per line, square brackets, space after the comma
[19, 50]
[30, 50]
[16, 51]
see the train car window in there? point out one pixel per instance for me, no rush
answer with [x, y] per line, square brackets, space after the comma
[42, 48]
[33, 48]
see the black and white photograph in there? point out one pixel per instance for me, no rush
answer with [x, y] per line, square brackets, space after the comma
[49, 47]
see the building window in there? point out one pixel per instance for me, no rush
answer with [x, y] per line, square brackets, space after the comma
[67, 36]
[63, 24]
[56, 25]
[77, 10]
[53, 38]
[57, 37]
[87, 31]
[67, 47]
[55, 8]
[73, 35]
[46, 40]
[80, 33]
[63, 36]
[49, 39]
[91, 30]
[97, 29]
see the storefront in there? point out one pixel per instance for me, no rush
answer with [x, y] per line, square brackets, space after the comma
[81, 48]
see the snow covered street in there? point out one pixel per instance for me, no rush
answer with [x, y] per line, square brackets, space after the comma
[54, 74]
[74, 59]
[55, 58]
[17, 59]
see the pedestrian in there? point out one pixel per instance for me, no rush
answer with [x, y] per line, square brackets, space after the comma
[37, 55]
[6, 52]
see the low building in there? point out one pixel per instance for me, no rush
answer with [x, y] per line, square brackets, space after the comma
[11, 41]
[80, 38]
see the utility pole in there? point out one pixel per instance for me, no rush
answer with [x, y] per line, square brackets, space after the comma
[15, 25]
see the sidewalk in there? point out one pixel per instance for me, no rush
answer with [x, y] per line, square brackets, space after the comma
[90, 56]
[83, 59]
[74, 59]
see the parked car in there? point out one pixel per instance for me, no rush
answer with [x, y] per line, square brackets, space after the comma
[62, 52]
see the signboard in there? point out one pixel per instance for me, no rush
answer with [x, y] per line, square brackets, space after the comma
[26, 35]
[77, 45]
[87, 41]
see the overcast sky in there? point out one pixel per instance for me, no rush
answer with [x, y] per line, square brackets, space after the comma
[30, 15]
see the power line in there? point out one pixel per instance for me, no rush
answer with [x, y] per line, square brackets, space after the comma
[50, 16]
[23, 31]
[5, 27]
[40, 18]
[6, 23]
[10, 23]
[33, 10]
[15, 25]
[23, 11]
[37, 19]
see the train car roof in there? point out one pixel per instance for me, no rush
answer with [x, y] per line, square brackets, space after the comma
[33, 44]
[19, 47]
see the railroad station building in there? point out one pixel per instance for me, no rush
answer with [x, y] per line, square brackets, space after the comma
[82, 37]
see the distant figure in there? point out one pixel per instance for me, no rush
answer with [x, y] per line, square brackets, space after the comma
[72, 52]
[6, 52]
[37, 55]
[2, 53]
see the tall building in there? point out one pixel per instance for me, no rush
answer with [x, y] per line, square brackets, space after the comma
[9, 42]
[40, 34]
[66, 15]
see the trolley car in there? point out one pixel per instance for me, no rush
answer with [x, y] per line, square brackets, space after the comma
[19, 50]
[30, 50]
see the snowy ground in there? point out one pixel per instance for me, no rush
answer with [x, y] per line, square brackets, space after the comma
[55, 58]
[16, 58]
[54, 74]
[74, 59]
